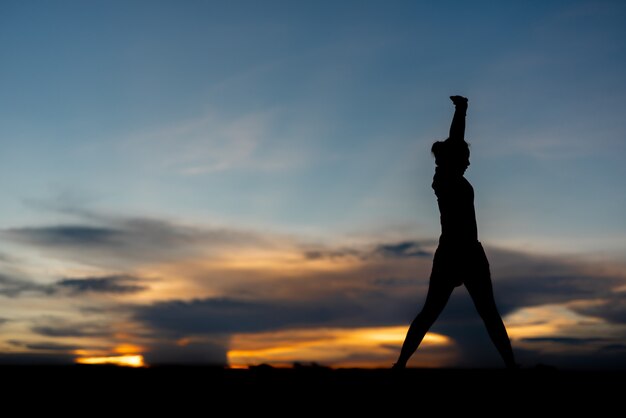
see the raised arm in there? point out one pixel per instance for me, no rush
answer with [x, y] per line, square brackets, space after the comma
[457, 128]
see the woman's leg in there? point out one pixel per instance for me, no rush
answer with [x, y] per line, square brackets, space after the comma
[481, 291]
[436, 299]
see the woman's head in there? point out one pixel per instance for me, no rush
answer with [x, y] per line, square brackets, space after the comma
[451, 155]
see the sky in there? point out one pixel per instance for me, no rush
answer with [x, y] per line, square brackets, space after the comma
[242, 182]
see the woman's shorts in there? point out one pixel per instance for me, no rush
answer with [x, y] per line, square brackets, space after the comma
[456, 264]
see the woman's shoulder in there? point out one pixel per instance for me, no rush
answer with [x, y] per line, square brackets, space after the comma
[444, 178]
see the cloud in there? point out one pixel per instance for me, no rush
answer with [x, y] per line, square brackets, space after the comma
[126, 242]
[402, 249]
[225, 316]
[515, 292]
[358, 295]
[62, 328]
[612, 308]
[107, 284]
[116, 284]
[524, 280]
[45, 346]
[13, 287]
[66, 235]
[220, 282]
[322, 254]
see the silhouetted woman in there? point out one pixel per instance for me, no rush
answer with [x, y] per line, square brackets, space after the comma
[460, 258]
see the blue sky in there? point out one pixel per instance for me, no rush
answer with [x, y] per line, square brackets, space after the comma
[297, 125]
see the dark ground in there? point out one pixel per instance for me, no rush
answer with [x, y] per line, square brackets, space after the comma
[314, 389]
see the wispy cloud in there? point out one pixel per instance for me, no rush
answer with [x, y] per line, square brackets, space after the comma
[66, 235]
[215, 142]
[403, 249]
[117, 284]
[13, 287]
[120, 242]
[45, 346]
[55, 327]
[107, 284]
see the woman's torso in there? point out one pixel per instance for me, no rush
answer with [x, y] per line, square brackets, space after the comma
[455, 197]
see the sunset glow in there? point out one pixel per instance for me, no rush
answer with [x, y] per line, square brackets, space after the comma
[126, 361]
[334, 347]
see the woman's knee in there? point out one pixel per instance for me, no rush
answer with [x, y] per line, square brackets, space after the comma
[489, 312]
